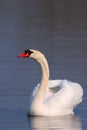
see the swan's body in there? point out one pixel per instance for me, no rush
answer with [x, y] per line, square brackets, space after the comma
[52, 97]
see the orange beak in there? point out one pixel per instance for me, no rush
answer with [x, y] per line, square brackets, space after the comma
[23, 55]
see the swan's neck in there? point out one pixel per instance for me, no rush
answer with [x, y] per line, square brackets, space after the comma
[45, 76]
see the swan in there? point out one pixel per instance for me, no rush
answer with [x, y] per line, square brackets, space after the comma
[52, 97]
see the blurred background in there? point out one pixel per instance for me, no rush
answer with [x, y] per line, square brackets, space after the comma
[58, 28]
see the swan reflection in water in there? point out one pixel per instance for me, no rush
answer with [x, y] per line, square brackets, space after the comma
[70, 122]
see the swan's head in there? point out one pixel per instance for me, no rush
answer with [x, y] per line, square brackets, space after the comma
[34, 54]
[38, 56]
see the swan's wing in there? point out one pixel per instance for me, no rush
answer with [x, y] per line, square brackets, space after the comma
[33, 94]
[52, 88]
[35, 89]
[54, 85]
[69, 95]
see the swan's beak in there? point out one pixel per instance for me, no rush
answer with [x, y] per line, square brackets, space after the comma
[23, 55]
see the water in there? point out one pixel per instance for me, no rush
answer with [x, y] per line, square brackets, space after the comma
[59, 29]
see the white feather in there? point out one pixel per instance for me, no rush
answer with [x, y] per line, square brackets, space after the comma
[53, 97]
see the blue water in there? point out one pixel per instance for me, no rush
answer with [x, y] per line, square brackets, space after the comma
[59, 29]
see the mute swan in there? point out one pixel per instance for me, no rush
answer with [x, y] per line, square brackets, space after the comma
[52, 97]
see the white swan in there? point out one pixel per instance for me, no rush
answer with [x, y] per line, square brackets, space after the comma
[52, 97]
